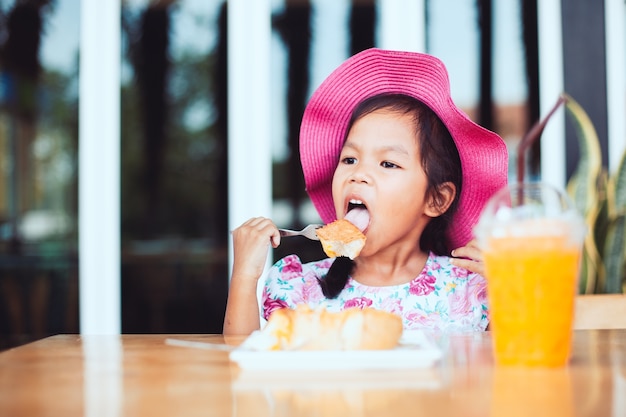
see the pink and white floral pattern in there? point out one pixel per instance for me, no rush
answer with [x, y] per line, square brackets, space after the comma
[441, 297]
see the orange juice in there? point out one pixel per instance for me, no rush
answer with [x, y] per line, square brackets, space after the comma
[532, 282]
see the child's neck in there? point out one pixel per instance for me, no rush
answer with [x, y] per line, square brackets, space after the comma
[380, 272]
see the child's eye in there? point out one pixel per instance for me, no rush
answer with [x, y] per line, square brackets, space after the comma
[387, 164]
[348, 160]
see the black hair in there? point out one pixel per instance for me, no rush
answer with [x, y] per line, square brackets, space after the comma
[441, 163]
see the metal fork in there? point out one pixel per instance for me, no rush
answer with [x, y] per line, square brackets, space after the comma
[308, 232]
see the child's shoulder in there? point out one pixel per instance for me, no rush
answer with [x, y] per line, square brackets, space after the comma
[438, 261]
[440, 264]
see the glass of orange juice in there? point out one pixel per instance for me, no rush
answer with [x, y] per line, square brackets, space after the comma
[531, 236]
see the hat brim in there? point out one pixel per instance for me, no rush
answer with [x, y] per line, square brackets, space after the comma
[483, 154]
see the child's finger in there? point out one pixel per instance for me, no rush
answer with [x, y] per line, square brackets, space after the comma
[275, 239]
[469, 251]
[476, 267]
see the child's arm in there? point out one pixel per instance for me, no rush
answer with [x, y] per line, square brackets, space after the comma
[251, 243]
[469, 257]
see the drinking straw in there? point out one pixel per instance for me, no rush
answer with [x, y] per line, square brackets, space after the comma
[533, 134]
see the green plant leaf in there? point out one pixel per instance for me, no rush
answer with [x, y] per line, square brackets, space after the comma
[617, 190]
[593, 272]
[614, 252]
[615, 255]
[582, 185]
[586, 187]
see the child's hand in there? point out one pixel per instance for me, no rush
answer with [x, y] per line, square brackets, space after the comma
[251, 245]
[251, 242]
[469, 257]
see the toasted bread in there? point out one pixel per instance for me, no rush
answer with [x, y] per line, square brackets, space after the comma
[341, 238]
[353, 329]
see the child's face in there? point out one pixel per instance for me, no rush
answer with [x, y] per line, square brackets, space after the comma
[380, 166]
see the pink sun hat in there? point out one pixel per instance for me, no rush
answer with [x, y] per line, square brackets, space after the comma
[483, 154]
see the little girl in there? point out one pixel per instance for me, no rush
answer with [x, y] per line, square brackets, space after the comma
[381, 135]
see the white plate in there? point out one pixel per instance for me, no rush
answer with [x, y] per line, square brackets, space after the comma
[414, 351]
[339, 380]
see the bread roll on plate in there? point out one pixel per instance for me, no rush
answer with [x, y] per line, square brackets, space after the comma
[353, 329]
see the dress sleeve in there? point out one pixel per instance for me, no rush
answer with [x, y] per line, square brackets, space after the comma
[467, 298]
[283, 283]
[289, 282]
[477, 298]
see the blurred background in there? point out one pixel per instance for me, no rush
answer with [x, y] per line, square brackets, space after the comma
[174, 202]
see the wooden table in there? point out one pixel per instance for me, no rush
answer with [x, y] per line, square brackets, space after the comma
[142, 375]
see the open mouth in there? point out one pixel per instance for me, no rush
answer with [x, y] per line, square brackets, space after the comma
[352, 204]
[358, 214]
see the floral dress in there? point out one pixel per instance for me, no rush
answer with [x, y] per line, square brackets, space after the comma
[441, 297]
